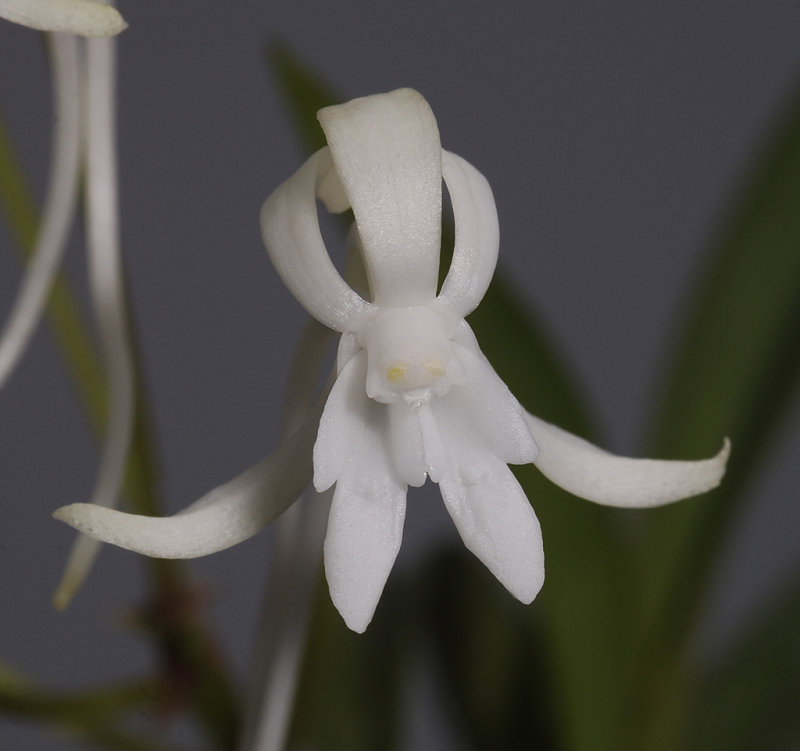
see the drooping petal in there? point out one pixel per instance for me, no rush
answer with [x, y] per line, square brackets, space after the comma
[596, 475]
[291, 233]
[492, 514]
[346, 415]
[365, 529]
[81, 558]
[83, 17]
[227, 515]
[59, 207]
[388, 157]
[486, 407]
[477, 235]
[108, 296]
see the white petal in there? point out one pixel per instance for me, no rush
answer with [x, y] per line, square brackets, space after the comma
[388, 157]
[82, 555]
[493, 516]
[108, 297]
[346, 415]
[485, 407]
[291, 233]
[84, 17]
[365, 529]
[477, 235]
[59, 207]
[224, 517]
[596, 475]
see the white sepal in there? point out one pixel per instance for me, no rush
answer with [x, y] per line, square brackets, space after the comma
[388, 157]
[493, 516]
[596, 475]
[365, 529]
[477, 236]
[486, 407]
[227, 515]
[83, 17]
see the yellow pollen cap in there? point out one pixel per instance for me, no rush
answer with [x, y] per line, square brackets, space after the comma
[396, 373]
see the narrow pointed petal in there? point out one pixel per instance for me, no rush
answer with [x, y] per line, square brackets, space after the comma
[291, 233]
[82, 555]
[596, 475]
[477, 235]
[496, 522]
[485, 406]
[388, 157]
[59, 207]
[227, 515]
[108, 297]
[346, 416]
[365, 529]
[83, 17]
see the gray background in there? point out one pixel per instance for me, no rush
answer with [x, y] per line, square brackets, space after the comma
[612, 135]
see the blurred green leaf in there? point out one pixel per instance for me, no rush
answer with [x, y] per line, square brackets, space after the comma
[750, 699]
[349, 696]
[737, 365]
[92, 715]
[494, 666]
[304, 93]
[735, 371]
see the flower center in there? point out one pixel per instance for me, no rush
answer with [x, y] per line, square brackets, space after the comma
[409, 356]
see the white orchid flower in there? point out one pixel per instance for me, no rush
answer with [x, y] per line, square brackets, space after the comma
[89, 18]
[414, 397]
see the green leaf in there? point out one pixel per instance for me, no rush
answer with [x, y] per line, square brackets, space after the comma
[750, 700]
[494, 666]
[735, 371]
[96, 716]
[349, 696]
[304, 93]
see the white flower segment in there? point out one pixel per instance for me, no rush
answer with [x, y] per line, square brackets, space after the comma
[89, 18]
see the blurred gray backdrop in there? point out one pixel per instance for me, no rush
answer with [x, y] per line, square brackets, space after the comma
[613, 135]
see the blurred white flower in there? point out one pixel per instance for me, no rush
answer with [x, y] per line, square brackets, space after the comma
[91, 18]
[414, 397]
[83, 139]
